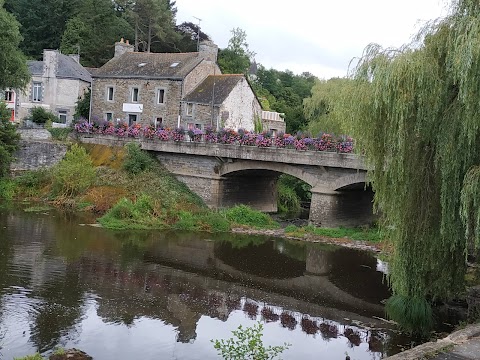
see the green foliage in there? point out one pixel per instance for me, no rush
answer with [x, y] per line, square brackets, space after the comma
[36, 356]
[13, 67]
[7, 189]
[40, 115]
[245, 215]
[284, 92]
[247, 343]
[137, 160]
[43, 23]
[82, 107]
[415, 112]
[38, 208]
[75, 173]
[414, 315]
[60, 134]
[257, 124]
[235, 59]
[288, 201]
[8, 139]
[319, 107]
[358, 234]
[93, 31]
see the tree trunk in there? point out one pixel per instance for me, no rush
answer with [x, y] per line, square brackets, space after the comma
[136, 35]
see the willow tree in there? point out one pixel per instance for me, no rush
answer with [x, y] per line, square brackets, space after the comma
[415, 111]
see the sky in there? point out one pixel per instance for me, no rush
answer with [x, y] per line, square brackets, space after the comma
[321, 37]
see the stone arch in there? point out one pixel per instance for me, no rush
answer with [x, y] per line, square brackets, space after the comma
[310, 179]
[350, 179]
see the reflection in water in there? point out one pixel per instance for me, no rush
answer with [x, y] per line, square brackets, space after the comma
[165, 295]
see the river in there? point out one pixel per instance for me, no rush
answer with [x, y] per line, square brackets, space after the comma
[165, 295]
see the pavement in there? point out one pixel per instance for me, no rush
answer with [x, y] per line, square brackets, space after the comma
[463, 344]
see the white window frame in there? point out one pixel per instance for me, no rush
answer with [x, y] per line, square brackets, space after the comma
[135, 91]
[156, 122]
[189, 109]
[159, 92]
[37, 92]
[136, 119]
[62, 114]
[110, 91]
[9, 95]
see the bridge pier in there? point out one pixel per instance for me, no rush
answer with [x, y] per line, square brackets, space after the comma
[341, 208]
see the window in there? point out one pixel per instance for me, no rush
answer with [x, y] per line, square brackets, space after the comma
[37, 92]
[132, 118]
[109, 116]
[190, 126]
[9, 96]
[134, 94]
[110, 93]
[160, 96]
[189, 109]
[62, 115]
[158, 122]
[198, 126]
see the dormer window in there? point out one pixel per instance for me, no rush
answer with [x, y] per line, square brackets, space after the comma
[174, 64]
[189, 109]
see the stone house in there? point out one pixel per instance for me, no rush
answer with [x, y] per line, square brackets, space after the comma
[146, 88]
[232, 99]
[56, 85]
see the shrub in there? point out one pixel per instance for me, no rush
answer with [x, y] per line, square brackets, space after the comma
[7, 189]
[244, 215]
[60, 133]
[75, 173]
[41, 116]
[137, 160]
[288, 201]
[247, 343]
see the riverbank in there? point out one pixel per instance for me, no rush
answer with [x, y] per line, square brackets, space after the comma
[462, 344]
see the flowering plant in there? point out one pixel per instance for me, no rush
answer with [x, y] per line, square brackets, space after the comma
[195, 134]
[83, 127]
[227, 136]
[178, 134]
[163, 134]
[121, 129]
[210, 135]
[148, 132]
[345, 144]
[263, 141]
[248, 138]
[134, 131]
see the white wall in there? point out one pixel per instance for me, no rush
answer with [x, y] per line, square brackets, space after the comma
[242, 106]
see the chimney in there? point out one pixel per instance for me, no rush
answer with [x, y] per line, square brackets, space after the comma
[208, 50]
[121, 47]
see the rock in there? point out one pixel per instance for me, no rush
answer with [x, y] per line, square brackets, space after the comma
[71, 354]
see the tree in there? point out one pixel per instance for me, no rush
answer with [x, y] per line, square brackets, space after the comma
[13, 67]
[43, 22]
[319, 108]
[8, 140]
[235, 59]
[94, 31]
[414, 111]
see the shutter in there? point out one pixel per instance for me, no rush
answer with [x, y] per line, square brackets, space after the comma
[41, 92]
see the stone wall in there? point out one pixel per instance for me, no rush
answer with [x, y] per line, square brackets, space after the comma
[168, 111]
[37, 154]
[197, 75]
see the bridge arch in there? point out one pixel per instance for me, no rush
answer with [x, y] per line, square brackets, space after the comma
[237, 166]
[349, 179]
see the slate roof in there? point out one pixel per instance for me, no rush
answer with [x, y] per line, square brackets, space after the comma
[67, 68]
[224, 85]
[35, 67]
[149, 66]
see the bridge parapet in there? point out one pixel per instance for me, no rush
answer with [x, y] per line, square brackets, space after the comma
[269, 154]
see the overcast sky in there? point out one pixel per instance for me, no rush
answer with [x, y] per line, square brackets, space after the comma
[319, 36]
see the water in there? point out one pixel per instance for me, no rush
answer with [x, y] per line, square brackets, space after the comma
[165, 295]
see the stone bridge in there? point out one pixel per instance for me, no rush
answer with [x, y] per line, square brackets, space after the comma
[225, 175]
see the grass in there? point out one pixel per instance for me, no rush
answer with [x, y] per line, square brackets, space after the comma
[245, 215]
[359, 234]
[36, 356]
[60, 134]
